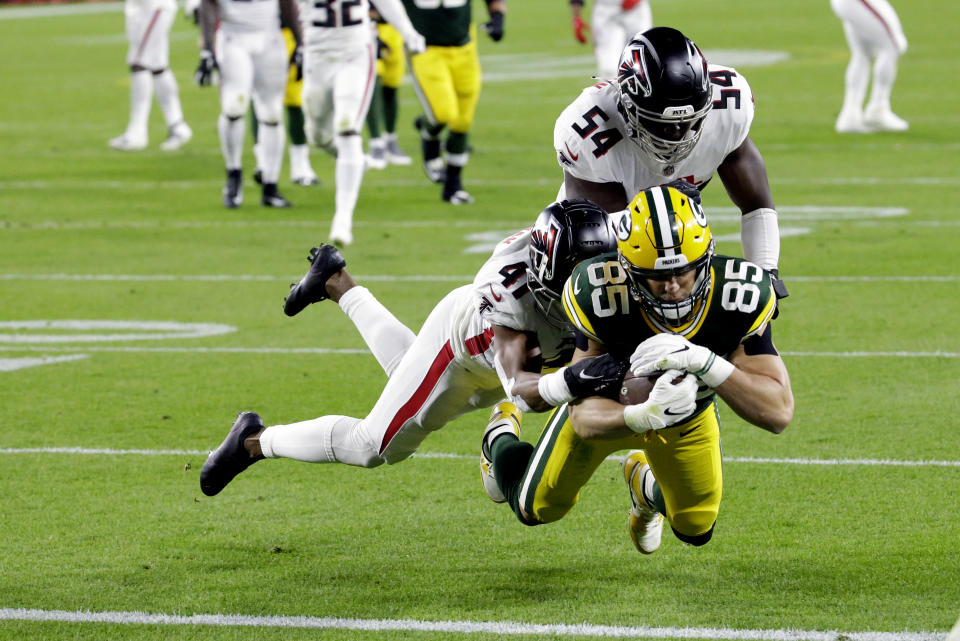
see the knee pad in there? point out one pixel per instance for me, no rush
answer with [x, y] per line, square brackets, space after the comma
[697, 540]
[234, 105]
[694, 526]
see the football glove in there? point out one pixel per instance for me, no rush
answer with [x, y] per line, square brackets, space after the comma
[206, 70]
[383, 49]
[599, 376]
[415, 42]
[672, 351]
[667, 404]
[580, 29]
[685, 188]
[494, 28]
[296, 60]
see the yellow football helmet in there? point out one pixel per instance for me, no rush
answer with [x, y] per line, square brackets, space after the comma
[663, 233]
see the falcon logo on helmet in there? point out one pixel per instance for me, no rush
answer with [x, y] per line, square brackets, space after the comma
[668, 236]
[665, 95]
[564, 234]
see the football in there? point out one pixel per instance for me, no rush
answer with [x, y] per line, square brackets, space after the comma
[636, 389]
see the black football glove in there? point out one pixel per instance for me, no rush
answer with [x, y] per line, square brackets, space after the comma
[598, 376]
[206, 69]
[296, 60]
[383, 49]
[494, 28]
[685, 188]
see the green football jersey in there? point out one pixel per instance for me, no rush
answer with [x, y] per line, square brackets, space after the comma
[739, 303]
[443, 23]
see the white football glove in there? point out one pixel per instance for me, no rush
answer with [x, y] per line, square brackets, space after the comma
[667, 404]
[672, 351]
[414, 42]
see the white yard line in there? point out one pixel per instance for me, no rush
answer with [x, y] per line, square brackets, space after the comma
[107, 451]
[505, 628]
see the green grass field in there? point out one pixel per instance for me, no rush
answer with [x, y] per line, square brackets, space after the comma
[843, 527]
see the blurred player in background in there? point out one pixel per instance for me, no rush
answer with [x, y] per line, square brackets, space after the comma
[875, 36]
[340, 70]
[447, 82]
[301, 173]
[669, 117]
[666, 302]
[613, 24]
[148, 25]
[482, 342]
[252, 60]
[382, 116]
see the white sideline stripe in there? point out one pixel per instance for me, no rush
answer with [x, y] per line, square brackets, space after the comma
[23, 347]
[107, 451]
[462, 627]
[412, 278]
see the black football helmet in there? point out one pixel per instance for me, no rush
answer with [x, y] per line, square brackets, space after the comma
[665, 94]
[564, 234]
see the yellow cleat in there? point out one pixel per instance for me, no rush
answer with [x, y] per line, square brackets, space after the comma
[645, 523]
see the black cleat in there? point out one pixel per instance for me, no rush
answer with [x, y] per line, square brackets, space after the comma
[231, 457]
[325, 261]
[233, 190]
[272, 198]
[434, 166]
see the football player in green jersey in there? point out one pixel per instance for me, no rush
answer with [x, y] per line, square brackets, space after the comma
[447, 82]
[666, 302]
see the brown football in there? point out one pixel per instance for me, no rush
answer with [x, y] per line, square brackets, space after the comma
[636, 389]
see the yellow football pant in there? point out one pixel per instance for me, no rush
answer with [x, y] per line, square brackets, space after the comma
[685, 460]
[447, 82]
[391, 68]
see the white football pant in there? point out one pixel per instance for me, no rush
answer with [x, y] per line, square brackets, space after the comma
[612, 29]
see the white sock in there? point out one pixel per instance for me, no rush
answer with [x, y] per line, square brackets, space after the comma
[168, 95]
[884, 74]
[231, 140]
[349, 174]
[271, 141]
[327, 439]
[299, 160]
[141, 94]
[387, 337]
[856, 78]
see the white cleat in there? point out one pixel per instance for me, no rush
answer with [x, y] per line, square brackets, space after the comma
[180, 134]
[377, 158]
[884, 120]
[341, 234]
[395, 155]
[128, 143]
[504, 419]
[459, 197]
[645, 523]
[851, 122]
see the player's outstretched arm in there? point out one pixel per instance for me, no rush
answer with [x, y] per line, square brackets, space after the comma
[758, 390]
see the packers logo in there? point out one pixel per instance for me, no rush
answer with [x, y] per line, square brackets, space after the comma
[698, 214]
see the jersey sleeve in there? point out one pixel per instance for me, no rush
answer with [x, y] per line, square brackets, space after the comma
[584, 134]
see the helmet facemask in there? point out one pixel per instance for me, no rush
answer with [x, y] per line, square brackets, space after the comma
[672, 313]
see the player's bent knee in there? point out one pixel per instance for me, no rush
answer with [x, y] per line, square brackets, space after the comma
[697, 539]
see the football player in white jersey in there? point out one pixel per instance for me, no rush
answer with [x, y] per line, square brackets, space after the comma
[613, 23]
[669, 118]
[482, 342]
[340, 71]
[148, 25]
[873, 33]
[251, 57]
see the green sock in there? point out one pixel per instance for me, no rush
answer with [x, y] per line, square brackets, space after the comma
[375, 113]
[295, 126]
[391, 107]
[254, 125]
[456, 143]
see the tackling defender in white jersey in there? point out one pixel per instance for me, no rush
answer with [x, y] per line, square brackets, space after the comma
[481, 343]
[613, 23]
[148, 25]
[669, 118]
[251, 57]
[340, 71]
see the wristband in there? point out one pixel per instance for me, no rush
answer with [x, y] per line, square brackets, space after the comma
[554, 389]
[716, 371]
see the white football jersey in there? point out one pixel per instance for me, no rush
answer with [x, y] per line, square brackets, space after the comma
[500, 296]
[249, 15]
[336, 26]
[590, 136]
